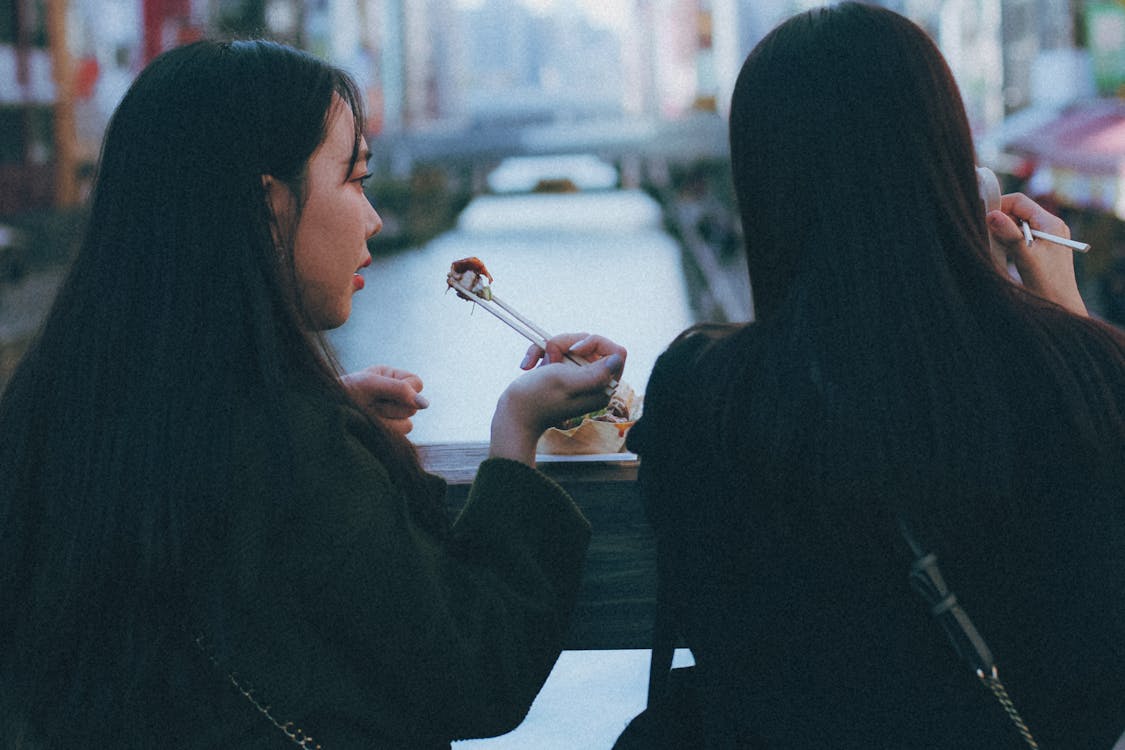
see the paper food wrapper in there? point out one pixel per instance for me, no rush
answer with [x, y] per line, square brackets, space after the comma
[589, 437]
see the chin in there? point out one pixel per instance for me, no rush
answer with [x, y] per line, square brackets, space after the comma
[328, 320]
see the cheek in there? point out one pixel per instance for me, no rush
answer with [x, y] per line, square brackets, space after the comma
[312, 243]
[324, 275]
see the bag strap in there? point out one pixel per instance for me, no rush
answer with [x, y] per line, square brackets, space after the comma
[295, 734]
[926, 579]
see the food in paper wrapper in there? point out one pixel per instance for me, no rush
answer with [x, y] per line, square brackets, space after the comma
[599, 432]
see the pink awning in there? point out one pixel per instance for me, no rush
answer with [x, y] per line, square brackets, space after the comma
[1079, 157]
[1088, 138]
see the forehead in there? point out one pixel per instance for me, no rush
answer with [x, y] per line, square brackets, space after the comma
[340, 138]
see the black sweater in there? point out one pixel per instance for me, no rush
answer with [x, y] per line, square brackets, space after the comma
[803, 624]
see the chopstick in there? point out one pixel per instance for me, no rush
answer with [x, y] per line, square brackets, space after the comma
[1072, 244]
[517, 322]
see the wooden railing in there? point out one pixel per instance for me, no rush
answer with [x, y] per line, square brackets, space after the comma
[618, 594]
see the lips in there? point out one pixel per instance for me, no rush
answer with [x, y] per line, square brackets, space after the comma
[357, 279]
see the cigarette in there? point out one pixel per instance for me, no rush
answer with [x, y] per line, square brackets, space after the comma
[1072, 244]
[1026, 233]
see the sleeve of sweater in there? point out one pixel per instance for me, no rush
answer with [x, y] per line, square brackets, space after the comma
[382, 628]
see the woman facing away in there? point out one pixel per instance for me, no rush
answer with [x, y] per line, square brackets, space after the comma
[893, 372]
[208, 538]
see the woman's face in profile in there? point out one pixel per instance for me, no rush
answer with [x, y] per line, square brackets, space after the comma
[330, 243]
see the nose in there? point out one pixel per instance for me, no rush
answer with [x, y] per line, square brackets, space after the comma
[374, 222]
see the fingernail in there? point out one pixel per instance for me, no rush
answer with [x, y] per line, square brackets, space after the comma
[613, 361]
[579, 344]
[527, 360]
[421, 401]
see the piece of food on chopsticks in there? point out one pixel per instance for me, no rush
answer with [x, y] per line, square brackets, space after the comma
[467, 278]
[470, 273]
[599, 432]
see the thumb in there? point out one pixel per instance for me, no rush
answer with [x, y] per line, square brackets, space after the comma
[615, 364]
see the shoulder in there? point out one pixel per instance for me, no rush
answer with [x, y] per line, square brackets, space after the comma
[684, 379]
[693, 351]
[307, 445]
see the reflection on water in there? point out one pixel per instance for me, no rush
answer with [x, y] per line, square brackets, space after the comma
[573, 265]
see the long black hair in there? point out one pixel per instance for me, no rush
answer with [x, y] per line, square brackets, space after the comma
[179, 317]
[889, 358]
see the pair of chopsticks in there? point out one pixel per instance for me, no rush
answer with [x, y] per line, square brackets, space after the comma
[517, 322]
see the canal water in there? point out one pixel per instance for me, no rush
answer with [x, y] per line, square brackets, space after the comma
[597, 262]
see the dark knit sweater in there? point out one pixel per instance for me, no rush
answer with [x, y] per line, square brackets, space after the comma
[369, 628]
[804, 628]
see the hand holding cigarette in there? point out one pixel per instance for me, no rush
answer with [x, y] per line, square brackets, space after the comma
[989, 188]
[1046, 268]
[1030, 235]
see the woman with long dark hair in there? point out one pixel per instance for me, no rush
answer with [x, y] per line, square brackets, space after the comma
[897, 384]
[208, 538]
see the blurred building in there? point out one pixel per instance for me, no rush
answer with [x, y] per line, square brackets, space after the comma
[442, 64]
[27, 98]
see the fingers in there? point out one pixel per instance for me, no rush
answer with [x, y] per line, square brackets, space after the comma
[532, 357]
[1021, 207]
[592, 378]
[400, 426]
[388, 394]
[1003, 228]
[557, 348]
[395, 373]
[401, 395]
[595, 347]
[1004, 224]
[588, 347]
[586, 388]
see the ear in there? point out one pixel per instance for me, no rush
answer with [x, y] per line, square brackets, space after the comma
[283, 208]
[279, 197]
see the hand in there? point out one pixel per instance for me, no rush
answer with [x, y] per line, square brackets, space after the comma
[556, 390]
[387, 394]
[589, 348]
[1044, 267]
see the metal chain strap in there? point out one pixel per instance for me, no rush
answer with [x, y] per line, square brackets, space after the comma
[927, 580]
[992, 681]
[295, 734]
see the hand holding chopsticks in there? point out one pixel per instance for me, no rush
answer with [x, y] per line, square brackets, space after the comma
[508, 315]
[542, 397]
[467, 279]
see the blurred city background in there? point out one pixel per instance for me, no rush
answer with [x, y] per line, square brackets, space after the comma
[577, 146]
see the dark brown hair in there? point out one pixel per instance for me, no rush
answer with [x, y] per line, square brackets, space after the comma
[179, 325]
[887, 348]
